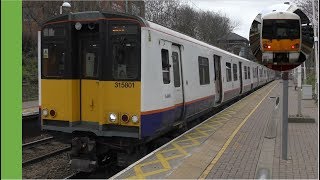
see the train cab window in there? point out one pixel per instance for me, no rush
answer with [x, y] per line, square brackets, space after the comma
[228, 71]
[204, 70]
[53, 59]
[245, 72]
[249, 73]
[125, 52]
[176, 69]
[165, 66]
[235, 73]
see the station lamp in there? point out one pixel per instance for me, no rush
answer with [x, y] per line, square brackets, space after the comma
[64, 4]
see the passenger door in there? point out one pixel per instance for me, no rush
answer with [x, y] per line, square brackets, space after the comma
[240, 73]
[178, 91]
[257, 72]
[89, 79]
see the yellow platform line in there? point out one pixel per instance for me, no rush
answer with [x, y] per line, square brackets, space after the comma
[226, 144]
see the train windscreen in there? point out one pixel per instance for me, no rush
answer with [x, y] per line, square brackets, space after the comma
[53, 51]
[125, 51]
[281, 29]
[104, 50]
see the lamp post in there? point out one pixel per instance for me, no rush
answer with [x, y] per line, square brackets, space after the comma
[315, 27]
[65, 4]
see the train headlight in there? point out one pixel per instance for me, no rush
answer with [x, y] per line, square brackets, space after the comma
[295, 46]
[266, 46]
[45, 112]
[113, 117]
[134, 119]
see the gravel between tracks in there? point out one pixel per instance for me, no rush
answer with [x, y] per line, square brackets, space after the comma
[42, 149]
[56, 167]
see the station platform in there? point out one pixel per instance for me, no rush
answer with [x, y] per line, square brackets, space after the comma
[233, 144]
[31, 124]
[30, 108]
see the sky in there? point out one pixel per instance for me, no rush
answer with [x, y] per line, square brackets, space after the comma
[241, 11]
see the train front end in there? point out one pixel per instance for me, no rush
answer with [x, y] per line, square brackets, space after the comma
[90, 84]
[281, 38]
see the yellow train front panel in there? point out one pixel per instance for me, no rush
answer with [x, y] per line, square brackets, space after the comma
[62, 97]
[92, 101]
[281, 45]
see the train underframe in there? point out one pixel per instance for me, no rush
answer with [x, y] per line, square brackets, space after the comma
[90, 151]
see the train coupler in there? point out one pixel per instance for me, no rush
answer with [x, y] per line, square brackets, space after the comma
[83, 154]
[83, 165]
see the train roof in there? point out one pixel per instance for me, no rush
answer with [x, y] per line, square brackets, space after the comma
[97, 15]
[280, 15]
[169, 31]
[93, 15]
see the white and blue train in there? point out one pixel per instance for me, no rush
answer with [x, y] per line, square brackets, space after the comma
[116, 82]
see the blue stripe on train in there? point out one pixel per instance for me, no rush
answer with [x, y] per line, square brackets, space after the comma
[157, 122]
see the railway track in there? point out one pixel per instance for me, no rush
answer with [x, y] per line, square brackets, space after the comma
[77, 175]
[39, 150]
[37, 142]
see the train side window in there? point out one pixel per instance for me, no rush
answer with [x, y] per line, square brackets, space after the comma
[216, 59]
[53, 60]
[245, 72]
[228, 71]
[204, 70]
[254, 74]
[176, 69]
[249, 73]
[235, 73]
[165, 66]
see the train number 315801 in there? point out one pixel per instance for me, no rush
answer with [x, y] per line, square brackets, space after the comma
[124, 84]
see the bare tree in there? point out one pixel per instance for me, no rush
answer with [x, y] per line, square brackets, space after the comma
[213, 26]
[306, 7]
[206, 26]
[186, 21]
[163, 12]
